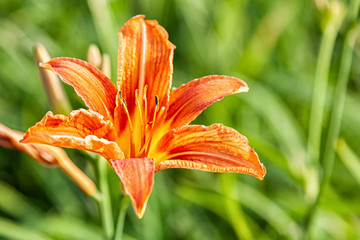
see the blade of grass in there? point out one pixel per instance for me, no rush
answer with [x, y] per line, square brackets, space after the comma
[338, 105]
[349, 158]
[282, 122]
[214, 202]
[15, 204]
[67, 227]
[233, 209]
[12, 230]
[266, 35]
[251, 199]
[267, 209]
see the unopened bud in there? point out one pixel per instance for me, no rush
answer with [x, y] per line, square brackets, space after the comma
[106, 65]
[51, 83]
[94, 56]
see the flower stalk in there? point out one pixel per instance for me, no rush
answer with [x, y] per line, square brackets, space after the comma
[48, 156]
[105, 206]
[334, 17]
[125, 202]
[337, 111]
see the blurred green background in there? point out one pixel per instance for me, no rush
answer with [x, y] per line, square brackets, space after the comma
[301, 61]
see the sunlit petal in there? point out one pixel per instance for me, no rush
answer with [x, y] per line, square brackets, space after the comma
[82, 129]
[215, 148]
[97, 91]
[137, 175]
[144, 58]
[190, 99]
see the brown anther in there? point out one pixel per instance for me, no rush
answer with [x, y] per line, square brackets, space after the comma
[156, 103]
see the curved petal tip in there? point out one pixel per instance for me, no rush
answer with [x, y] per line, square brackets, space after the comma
[137, 175]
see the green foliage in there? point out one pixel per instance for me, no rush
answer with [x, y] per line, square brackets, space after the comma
[300, 60]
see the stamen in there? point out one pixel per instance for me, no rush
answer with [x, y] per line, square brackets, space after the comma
[148, 143]
[156, 109]
[156, 102]
[127, 113]
[123, 103]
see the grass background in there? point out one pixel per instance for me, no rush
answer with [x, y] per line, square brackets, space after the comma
[300, 60]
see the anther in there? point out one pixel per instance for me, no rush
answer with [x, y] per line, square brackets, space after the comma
[137, 97]
[156, 108]
[145, 91]
[156, 103]
[124, 102]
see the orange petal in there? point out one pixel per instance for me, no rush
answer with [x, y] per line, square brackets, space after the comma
[97, 91]
[137, 175]
[82, 129]
[144, 58]
[189, 100]
[215, 148]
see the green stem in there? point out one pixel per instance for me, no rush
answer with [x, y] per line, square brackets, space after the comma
[338, 105]
[121, 218]
[335, 118]
[319, 96]
[105, 202]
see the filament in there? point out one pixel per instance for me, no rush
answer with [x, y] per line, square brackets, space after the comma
[123, 104]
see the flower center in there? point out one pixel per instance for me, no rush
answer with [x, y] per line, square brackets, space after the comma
[141, 128]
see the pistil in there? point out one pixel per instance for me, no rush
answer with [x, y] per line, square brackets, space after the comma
[142, 125]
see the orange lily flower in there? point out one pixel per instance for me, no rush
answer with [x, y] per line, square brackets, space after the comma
[141, 127]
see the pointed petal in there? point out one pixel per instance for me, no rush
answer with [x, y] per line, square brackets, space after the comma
[189, 100]
[82, 129]
[97, 91]
[137, 175]
[215, 148]
[144, 58]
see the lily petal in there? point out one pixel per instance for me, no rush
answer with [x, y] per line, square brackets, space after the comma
[144, 58]
[137, 175]
[215, 148]
[82, 129]
[190, 99]
[96, 89]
